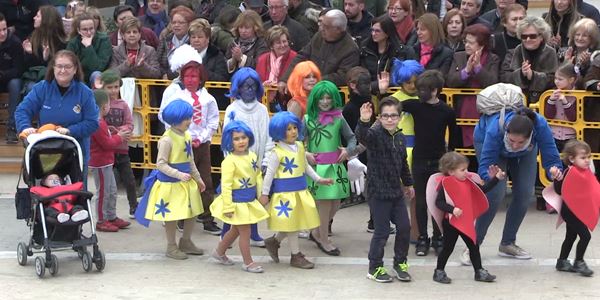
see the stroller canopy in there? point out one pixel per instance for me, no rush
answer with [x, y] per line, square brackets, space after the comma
[50, 152]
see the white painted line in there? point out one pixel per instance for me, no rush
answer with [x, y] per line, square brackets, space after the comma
[327, 260]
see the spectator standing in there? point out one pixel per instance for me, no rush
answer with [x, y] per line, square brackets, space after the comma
[401, 13]
[155, 17]
[430, 48]
[507, 40]
[359, 20]
[454, 25]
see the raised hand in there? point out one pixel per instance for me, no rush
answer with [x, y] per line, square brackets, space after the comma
[383, 81]
[366, 112]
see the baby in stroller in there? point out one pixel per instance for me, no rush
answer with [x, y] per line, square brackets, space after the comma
[62, 208]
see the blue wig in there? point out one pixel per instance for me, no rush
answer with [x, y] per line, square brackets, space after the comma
[279, 123]
[238, 79]
[230, 128]
[404, 70]
[176, 112]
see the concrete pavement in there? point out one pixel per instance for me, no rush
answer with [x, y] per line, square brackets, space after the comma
[137, 268]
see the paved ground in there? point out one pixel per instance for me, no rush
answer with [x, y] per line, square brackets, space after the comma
[137, 268]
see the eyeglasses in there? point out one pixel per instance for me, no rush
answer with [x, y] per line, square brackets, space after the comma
[89, 29]
[390, 116]
[532, 36]
[395, 9]
[64, 67]
[276, 7]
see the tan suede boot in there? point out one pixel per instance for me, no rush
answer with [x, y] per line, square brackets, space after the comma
[299, 261]
[188, 247]
[272, 245]
[174, 252]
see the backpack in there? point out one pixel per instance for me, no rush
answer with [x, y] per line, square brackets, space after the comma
[498, 98]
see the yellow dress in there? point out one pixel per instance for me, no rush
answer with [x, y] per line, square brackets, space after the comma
[241, 184]
[292, 207]
[171, 199]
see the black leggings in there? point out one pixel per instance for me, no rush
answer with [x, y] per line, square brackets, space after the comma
[574, 228]
[450, 237]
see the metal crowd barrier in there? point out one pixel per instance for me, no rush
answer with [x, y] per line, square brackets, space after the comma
[149, 113]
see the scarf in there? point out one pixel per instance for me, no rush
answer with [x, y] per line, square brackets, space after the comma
[426, 51]
[246, 44]
[404, 28]
[326, 117]
[531, 55]
[275, 67]
[158, 20]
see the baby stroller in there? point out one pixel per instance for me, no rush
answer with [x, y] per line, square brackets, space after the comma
[52, 153]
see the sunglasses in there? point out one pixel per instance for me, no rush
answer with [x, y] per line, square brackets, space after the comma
[532, 36]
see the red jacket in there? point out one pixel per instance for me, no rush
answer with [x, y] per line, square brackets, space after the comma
[263, 64]
[103, 146]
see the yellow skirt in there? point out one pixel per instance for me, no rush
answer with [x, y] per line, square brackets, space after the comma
[292, 211]
[172, 201]
[244, 212]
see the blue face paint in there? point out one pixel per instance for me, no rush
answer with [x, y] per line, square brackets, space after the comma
[248, 90]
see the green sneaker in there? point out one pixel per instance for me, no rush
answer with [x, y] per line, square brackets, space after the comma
[379, 275]
[402, 272]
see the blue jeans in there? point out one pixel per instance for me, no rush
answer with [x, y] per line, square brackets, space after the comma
[383, 212]
[523, 172]
[13, 87]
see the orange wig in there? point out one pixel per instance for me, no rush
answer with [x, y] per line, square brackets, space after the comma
[301, 71]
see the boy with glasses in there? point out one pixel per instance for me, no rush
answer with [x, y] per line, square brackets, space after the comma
[387, 164]
[431, 119]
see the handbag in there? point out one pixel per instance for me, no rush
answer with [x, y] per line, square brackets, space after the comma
[22, 201]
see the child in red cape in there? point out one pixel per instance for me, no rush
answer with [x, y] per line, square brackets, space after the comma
[455, 200]
[580, 205]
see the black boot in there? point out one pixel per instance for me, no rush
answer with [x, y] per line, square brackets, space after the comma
[564, 265]
[581, 267]
[422, 248]
[484, 275]
[437, 243]
[441, 277]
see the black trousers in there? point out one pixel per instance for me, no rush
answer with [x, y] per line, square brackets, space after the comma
[574, 228]
[122, 166]
[451, 235]
[423, 169]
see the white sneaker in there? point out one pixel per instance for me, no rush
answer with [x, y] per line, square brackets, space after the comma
[303, 234]
[465, 259]
[62, 217]
[260, 244]
[513, 251]
[80, 215]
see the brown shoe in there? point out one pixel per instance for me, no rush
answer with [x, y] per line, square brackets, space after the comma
[297, 260]
[174, 252]
[272, 245]
[188, 247]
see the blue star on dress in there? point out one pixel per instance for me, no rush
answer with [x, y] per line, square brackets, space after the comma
[283, 208]
[254, 165]
[289, 165]
[162, 208]
[245, 183]
[188, 148]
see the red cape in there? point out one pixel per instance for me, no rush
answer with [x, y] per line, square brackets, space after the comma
[581, 193]
[467, 196]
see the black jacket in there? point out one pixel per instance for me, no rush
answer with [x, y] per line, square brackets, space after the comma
[588, 11]
[21, 15]
[299, 35]
[11, 58]
[361, 30]
[387, 163]
[441, 58]
[215, 64]
[376, 63]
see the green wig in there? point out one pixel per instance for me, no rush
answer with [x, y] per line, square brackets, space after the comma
[321, 89]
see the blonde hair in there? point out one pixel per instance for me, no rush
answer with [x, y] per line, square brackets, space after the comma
[590, 28]
[200, 25]
[96, 15]
[274, 34]
[249, 18]
[451, 161]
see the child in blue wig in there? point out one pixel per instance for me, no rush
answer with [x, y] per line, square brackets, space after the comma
[292, 207]
[237, 204]
[173, 189]
[247, 92]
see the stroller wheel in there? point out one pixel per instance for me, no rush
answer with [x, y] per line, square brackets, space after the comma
[40, 266]
[54, 265]
[99, 260]
[80, 252]
[86, 261]
[22, 254]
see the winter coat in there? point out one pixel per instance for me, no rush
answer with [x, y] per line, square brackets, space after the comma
[441, 57]
[147, 35]
[361, 30]
[543, 65]
[149, 69]
[96, 57]
[307, 14]
[299, 35]
[334, 59]
[251, 55]
[376, 63]
[20, 16]
[11, 59]
[215, 65]
[486, 77]
[263, 64]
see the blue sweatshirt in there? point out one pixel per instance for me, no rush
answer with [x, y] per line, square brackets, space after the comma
[75, 110]
[488, 132]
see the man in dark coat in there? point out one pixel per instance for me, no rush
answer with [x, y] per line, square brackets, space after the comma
[359, 20]
[278, 10]
[11, 69]
[331, 49]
